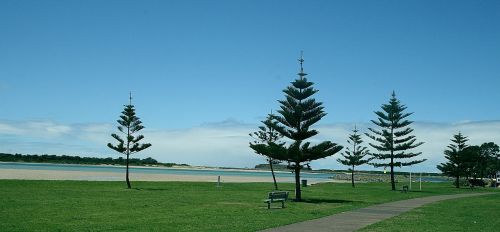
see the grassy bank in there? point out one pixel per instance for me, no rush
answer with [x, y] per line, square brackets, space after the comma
[381, 177]
[178, 206]
[468, 214]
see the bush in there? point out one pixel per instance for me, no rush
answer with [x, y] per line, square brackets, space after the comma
[463, 182]
[477, 182]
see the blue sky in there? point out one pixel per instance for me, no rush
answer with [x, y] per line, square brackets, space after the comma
[222, 65]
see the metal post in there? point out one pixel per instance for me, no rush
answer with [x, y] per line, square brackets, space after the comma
[497, 182]
[420, 181]
[218, 181]
[410, 181]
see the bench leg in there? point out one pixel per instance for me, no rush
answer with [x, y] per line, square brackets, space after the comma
[283, 204]
[268, 205]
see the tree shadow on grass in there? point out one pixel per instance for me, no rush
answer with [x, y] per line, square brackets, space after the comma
[331, 201]
[418, 191]
[152, 189]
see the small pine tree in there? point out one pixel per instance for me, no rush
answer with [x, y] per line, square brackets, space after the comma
[455, 165]
[129, 124]
[393, 138]
[299, 111]
[354, 156]
[266, 135]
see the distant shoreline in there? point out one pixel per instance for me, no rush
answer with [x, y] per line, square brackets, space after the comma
[180, 167]
[48, 171]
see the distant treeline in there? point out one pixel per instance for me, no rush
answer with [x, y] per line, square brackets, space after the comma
[65, 159]
[279, 167]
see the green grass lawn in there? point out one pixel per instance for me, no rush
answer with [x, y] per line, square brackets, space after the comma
[178, 206]
[466, 214]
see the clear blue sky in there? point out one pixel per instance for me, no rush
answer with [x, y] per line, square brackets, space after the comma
[190, 62]
[194, 62]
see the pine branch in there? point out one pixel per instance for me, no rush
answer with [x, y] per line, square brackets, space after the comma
[413, 162]
[398, 124]
[373, 131]
[403, 155]
[312, 121]
[379, 148]
[119, 148]
[319, 151]
[139, 147]
[404, 132]
[382, 117]
[302, 84]
[378, 165]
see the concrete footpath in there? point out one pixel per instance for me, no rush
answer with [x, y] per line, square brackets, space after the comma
[359, 218]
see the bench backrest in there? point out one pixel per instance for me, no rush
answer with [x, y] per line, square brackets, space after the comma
[278, 195]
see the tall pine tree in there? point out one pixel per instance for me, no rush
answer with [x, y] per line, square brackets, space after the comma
[354, 155]
[393, 139]
[266, 135]
[299, 111]
[455, 165]
[129, 125]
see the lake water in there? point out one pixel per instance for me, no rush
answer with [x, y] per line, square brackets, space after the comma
[145, 170]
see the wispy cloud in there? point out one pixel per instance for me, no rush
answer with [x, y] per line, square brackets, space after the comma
[34, 128]
[217, 144]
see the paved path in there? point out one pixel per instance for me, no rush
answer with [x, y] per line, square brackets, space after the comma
[359, 218]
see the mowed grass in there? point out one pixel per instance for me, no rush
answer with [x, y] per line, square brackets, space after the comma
[178, 206]
[465, 214]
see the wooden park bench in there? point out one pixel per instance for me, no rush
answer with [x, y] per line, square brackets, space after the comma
[278, 196]
[404, 189]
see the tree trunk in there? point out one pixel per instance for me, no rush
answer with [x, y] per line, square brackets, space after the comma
[126, 176]
[128, 154]
[274, 177]
[352, 176]
[393, 184]
[298, 194]
[458, 182]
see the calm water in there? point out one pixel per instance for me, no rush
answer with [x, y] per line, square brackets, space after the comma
[89, 168]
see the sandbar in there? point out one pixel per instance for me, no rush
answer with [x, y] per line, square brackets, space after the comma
[27, 174]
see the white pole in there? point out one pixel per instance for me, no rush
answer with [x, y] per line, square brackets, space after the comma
[410, 180]
[497, 178]
[420, 181]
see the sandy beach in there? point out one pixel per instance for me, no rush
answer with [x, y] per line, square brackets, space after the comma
[24, 174]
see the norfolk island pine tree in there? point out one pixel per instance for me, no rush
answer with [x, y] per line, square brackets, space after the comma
[455, 165]
[129, 124]
[299, 111]
[354, 155]
[393, 139]
[266, 135]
